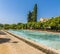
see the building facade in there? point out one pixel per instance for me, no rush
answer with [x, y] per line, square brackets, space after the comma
[44, 19]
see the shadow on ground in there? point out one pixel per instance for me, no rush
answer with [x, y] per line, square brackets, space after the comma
[2, 33]
[3, 40]
[15, 42]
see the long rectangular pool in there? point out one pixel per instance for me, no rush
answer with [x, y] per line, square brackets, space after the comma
[49, 39]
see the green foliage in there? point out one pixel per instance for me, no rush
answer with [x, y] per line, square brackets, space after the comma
[52, 24]
[13, 26]
[34, 13]
[6, 26]
[32, 16]
[29, 17]
[38, 25]
[19, 26]
[1, 26]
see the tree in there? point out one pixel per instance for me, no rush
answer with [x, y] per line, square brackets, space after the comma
[34, 13]
[38, 25]
[1, 26]
[29, 17]
[13, 26]
[6, 26]
[19, 26]
[32, 16]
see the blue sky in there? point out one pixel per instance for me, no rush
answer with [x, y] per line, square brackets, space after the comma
[14, 11]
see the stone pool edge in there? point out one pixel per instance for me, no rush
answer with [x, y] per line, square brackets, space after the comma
[36, 45]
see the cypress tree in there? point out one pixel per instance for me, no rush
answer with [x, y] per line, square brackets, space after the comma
[34, 14]
[29, 17]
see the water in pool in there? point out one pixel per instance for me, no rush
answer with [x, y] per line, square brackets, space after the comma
[49, 39]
